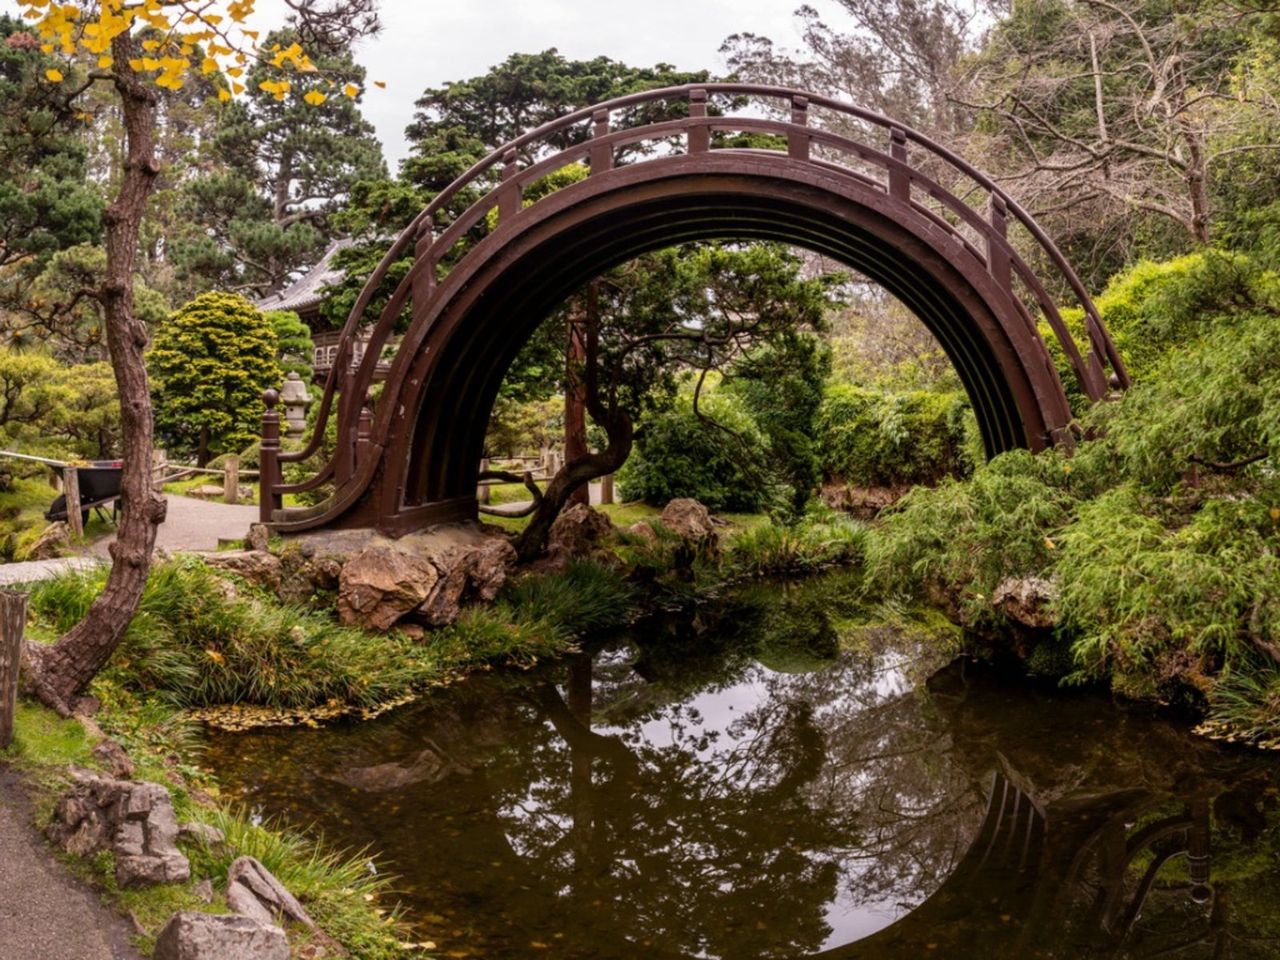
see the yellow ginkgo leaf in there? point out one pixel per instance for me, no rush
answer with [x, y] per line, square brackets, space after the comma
[315, 98]
[380, 84]
[106, 63]
[53, 76]
[351, 90]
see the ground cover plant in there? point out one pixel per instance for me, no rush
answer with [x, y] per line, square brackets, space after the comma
[1161, 532]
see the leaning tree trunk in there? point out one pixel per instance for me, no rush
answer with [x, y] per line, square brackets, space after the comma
[581, 470]
[58, 674]
[575, 405]
[572, 476]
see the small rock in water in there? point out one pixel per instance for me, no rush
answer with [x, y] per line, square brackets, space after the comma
[202, 936]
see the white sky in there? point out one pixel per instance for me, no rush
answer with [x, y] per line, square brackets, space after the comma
[427, 42]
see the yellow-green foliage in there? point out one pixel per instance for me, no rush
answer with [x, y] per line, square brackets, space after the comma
[211, 362]
[64, 412]
[1162, 532]
[1153, 308]
[1140, 580]
[968, 535]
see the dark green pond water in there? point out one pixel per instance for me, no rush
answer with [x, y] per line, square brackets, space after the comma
[776, 778]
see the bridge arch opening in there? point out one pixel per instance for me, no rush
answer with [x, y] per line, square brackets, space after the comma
[414, 459]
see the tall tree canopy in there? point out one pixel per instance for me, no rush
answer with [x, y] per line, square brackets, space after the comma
[278, 171]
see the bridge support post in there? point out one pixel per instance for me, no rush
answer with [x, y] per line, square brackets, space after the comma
[269, 469]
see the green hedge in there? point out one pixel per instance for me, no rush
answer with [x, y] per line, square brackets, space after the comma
[872, 438]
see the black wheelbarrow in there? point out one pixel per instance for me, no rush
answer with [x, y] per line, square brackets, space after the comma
[99, 487]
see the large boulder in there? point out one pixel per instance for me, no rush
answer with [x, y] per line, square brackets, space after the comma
[689, 520]
[253, 891]
[133, 820]
[1028, 601]
[579, 531]
[55, 541]
[256, 566]
[202, 936]
[380, 585]
[472, 575]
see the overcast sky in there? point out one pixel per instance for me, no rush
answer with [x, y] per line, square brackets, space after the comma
[426, 42]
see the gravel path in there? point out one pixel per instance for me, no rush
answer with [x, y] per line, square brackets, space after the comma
[12, 573]
[45, 914]
[193, 524]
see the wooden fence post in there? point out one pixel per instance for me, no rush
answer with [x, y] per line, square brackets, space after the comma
[231, 480]
[606, 489]
[71, 490]
[13, 621]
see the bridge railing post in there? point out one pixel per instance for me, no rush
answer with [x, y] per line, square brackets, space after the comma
[601, 155]
[899, 179]
[364, 433]
[344, 456]
[269, 477]
[699, 136]
[509, 194]
[998, 263]
[424, 267]
[798, 143]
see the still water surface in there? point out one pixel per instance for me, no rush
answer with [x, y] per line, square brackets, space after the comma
[779, 776]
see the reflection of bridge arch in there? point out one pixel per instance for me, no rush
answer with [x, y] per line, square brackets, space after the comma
[1012, 892]
[902, 210]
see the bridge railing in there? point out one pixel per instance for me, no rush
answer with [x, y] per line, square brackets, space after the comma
[893, 166]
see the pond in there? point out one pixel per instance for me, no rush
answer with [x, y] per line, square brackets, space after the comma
[786, 775]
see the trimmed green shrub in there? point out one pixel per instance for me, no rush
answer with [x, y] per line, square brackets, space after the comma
[210, 363]
[869, 438]
[678, 455]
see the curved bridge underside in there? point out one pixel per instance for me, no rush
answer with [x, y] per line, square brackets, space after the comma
[413, 459]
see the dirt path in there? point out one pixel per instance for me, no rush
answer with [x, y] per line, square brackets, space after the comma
[193, 524]
[45, 913]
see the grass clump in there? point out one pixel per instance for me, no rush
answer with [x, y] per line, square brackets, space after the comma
[199, 644]
[818, 540]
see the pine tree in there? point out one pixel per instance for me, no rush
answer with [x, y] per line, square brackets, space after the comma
[211, 362]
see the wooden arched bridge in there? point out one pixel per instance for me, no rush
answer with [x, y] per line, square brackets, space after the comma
[845, 182]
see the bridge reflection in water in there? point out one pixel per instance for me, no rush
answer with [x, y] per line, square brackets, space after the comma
[737, 788]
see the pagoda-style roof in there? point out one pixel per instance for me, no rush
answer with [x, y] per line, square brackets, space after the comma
[305, 294]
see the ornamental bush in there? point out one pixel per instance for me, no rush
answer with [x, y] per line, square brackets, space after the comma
[676, 454]
[869, 438]
[209, 364]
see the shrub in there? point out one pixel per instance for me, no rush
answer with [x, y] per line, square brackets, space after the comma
[211, 361]
[968, 535]
[678, 455]
[869, 438]
[819, 540]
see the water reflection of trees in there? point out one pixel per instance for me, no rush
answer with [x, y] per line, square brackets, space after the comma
[618, 807]
[733, 838]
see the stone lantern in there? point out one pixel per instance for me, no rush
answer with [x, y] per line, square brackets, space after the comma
[295, 400]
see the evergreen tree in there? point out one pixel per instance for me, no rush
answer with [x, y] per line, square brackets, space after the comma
[211, 362]
[281, 168]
